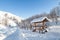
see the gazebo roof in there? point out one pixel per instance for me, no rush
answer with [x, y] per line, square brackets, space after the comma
[42, 19]
[45, 20]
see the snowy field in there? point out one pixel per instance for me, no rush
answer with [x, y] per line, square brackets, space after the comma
[21, 34]
[14, 33]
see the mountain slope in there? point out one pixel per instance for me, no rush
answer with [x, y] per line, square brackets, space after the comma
[8, 24]
[6, 16]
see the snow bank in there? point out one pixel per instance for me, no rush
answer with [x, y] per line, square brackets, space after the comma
[2, 36]
[6, 31]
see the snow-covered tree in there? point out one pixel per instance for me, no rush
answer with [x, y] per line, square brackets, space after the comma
[55, 13]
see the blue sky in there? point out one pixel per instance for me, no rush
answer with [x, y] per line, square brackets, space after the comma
[27, 8]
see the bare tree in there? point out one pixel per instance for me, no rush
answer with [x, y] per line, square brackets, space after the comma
[54, 14]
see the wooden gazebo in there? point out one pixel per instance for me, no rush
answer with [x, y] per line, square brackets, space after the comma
[42, 27]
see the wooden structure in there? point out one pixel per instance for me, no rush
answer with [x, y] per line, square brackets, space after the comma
[42, 27]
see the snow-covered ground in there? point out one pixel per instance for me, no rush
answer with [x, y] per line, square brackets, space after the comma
[14, 33]
[6, 31]
[22, 34]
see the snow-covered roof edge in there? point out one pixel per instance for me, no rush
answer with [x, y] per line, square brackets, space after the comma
[42, 18]
[47, 19]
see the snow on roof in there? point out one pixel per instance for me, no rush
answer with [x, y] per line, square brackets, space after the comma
[41, 19]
